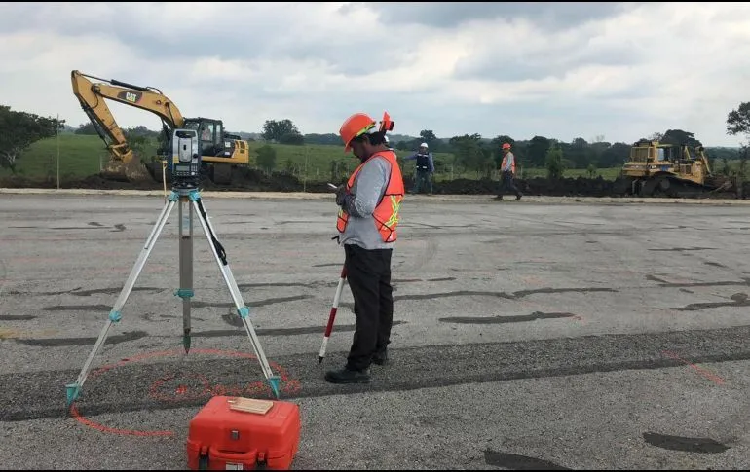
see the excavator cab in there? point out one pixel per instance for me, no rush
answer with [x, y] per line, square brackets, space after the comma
[210, 133]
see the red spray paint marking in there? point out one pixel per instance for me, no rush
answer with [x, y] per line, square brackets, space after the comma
[288, 387]
[106, 429]
[702, 372]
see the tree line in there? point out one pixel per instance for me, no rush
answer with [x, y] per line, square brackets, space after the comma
[19, 129]
[477, 153]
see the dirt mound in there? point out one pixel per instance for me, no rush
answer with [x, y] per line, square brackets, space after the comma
[569, 187]
[253, 180]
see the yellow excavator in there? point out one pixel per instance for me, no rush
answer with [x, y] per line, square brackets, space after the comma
[222, 152]
[665, 169]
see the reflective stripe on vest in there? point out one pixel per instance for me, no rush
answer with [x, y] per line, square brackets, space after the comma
[512, 164]
[386, 211]
[423, 161]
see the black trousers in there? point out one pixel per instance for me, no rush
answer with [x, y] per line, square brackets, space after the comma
[369, 277]
[507, 185]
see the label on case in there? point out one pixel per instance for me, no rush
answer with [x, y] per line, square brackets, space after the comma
[231, 466]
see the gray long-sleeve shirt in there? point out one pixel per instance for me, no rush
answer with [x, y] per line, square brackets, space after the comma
[509, 158]
[369, 187]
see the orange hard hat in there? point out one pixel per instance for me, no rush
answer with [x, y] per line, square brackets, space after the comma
[506, 146]
[354, 126]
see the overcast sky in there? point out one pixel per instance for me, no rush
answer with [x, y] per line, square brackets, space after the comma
[561, 70]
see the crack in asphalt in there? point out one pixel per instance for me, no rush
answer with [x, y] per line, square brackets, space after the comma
[127, 387]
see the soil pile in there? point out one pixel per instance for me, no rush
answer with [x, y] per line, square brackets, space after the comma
[253, 180]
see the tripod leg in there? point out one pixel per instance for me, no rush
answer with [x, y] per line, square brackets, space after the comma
[73, 389]
[243, 311]
[185, 215]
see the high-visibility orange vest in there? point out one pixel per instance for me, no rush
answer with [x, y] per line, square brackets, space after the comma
[512, 165]
[386, 211]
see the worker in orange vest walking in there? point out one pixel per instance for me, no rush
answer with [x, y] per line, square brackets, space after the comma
[508, 169]
[369, 208]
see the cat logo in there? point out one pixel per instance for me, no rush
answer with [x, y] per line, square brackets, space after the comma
[129, 96]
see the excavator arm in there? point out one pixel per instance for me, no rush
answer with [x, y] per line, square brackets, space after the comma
[91, 96]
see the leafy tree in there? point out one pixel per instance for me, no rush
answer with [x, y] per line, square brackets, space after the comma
[327, 138]
[19, 130]
[656, 136]
[136, 141]
[553, 162]
[738, 121]
[86, 128]
[141, 131]
[402, 146]
[429, 137]
[283, 132]
[680, 138]
[614, 155]
[266, 157]
[536, 151]
[292, 137]
[468, 151]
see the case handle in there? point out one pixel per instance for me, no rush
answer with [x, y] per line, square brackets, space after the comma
[245, 457]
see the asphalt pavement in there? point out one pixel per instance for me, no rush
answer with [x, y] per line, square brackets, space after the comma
[538, 334]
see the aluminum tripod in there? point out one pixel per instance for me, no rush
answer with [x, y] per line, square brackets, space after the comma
[189, 200]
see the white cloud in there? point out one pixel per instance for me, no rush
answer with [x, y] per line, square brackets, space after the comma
[623, 74]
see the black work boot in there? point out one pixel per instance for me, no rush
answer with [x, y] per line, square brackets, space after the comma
[380, 358]
[347, 375]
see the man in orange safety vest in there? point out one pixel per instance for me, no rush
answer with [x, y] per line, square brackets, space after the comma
[367, 219]
[508, 169]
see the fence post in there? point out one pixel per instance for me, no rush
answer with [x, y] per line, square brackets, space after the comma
[304, 181]
[57, 144]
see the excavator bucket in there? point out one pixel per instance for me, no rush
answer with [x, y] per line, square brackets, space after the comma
[118, 171]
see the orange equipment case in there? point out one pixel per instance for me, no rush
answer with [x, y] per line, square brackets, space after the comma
[226, 435]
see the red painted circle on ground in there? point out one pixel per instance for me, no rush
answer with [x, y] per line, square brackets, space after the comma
[182, 391]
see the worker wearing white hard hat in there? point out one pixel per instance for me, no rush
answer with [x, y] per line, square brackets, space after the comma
[425, 168]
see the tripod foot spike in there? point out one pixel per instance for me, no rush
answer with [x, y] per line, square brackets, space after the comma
[186, 341]
[320, 359]
[274, 382]
[72, 390]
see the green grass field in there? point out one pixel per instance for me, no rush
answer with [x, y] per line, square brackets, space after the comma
[80, 156]
[83, 155]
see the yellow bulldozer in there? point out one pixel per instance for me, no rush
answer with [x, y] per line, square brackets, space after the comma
[221, 152]
[672, 170]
